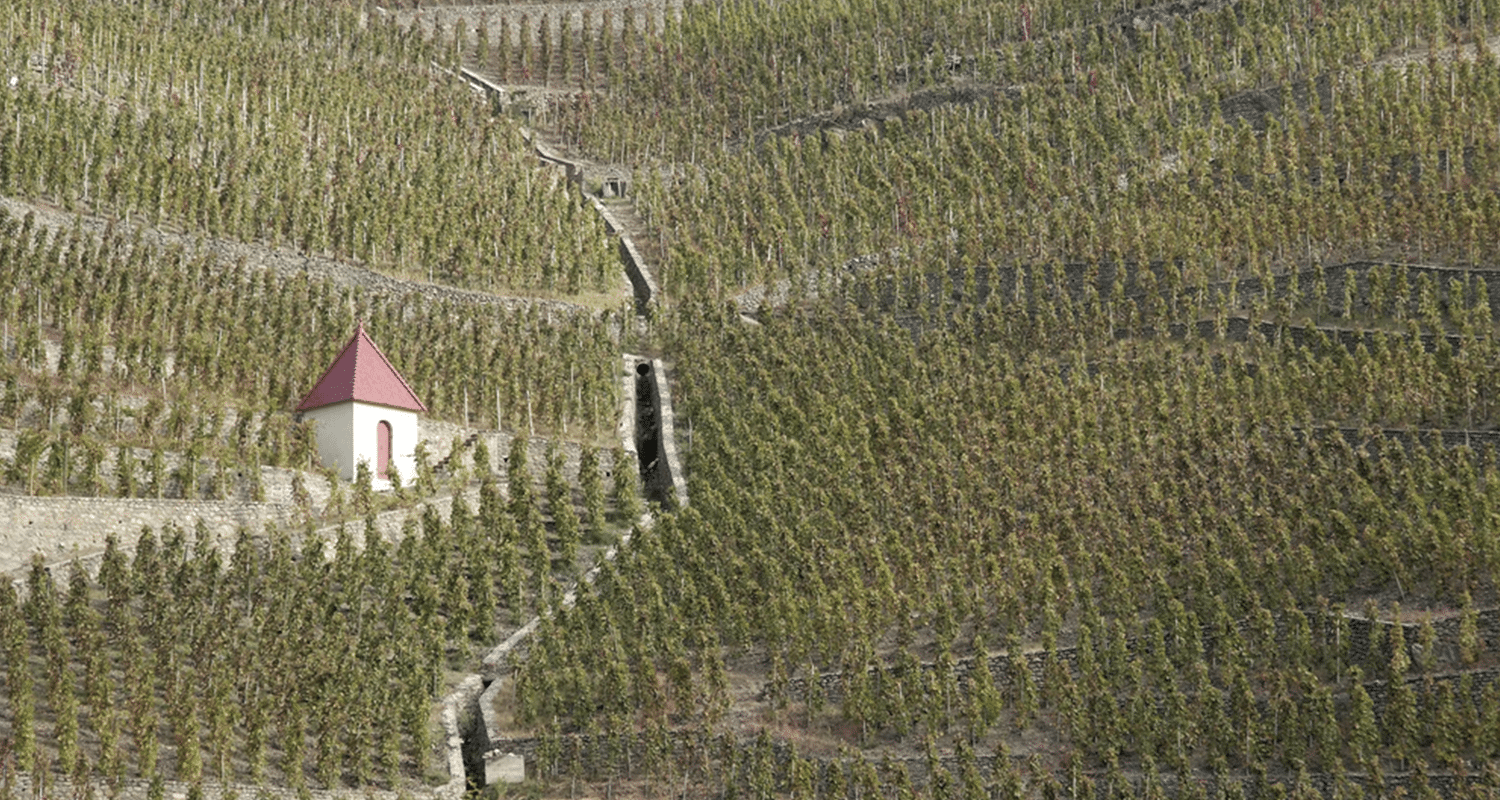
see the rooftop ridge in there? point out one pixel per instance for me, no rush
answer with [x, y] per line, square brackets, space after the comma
[362, 372]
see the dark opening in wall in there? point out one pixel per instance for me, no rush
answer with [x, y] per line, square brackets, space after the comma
[474, 743]
[656, 476]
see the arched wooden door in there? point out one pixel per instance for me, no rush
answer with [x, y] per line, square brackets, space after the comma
[382, 449]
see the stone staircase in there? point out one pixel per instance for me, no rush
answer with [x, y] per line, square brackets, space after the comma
[441, 467]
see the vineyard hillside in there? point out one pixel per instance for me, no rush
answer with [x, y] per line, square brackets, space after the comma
[837, 399]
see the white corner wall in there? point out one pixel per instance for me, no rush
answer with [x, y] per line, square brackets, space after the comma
[335, 432]
[346, 434]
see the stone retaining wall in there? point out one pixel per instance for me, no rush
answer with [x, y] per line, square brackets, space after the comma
[288, 263]
[1080, 281]
[1481, 442]
[1237, 329]
[831, 684]
[600, 758]
[655, 435]
[675, 476]
[485, 747]
[140, 789]
[459, 720]
[439, 437]
[641, 280]
[275, 481]
[64, 528]
[457, 707]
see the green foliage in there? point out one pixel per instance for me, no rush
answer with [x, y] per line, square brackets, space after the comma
[262, 124]
[1069, 393]
[624, 490]
[234, 672]
[861, 483]
[518, 477]
[1042, 133]
[393, 475]
[482, 465]
[132, 284]
[591, 483]
[364, 492]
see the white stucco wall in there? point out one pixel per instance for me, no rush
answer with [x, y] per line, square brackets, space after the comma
[346, 434]
[335, 431]
[403, 438]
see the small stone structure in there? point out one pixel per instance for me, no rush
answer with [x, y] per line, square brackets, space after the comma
[364, 411]
[505, 768]
[614, 181]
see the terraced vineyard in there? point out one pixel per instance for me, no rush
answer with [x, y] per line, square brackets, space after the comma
[1073, 451]
[1075, 399]
[200, 202]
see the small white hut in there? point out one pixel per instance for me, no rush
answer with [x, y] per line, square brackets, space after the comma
[365, 411]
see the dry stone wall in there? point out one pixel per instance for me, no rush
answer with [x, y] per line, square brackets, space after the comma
[22, 785]
[831, 684]
[223, 521]
[288, 263]
[1353, 281]
[655, 435]
[641, 280]
[440, 436]
[64, 528]
[1484, 443]
[389, 525]
[642, 283]
[624, 755]
[276, 481]
[1238, 329]
[485, 748]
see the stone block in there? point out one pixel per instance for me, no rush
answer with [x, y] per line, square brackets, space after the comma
[504, 768]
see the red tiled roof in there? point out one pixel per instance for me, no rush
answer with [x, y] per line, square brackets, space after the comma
[363, 373]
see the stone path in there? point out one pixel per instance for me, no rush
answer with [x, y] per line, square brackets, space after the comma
[495, 664]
